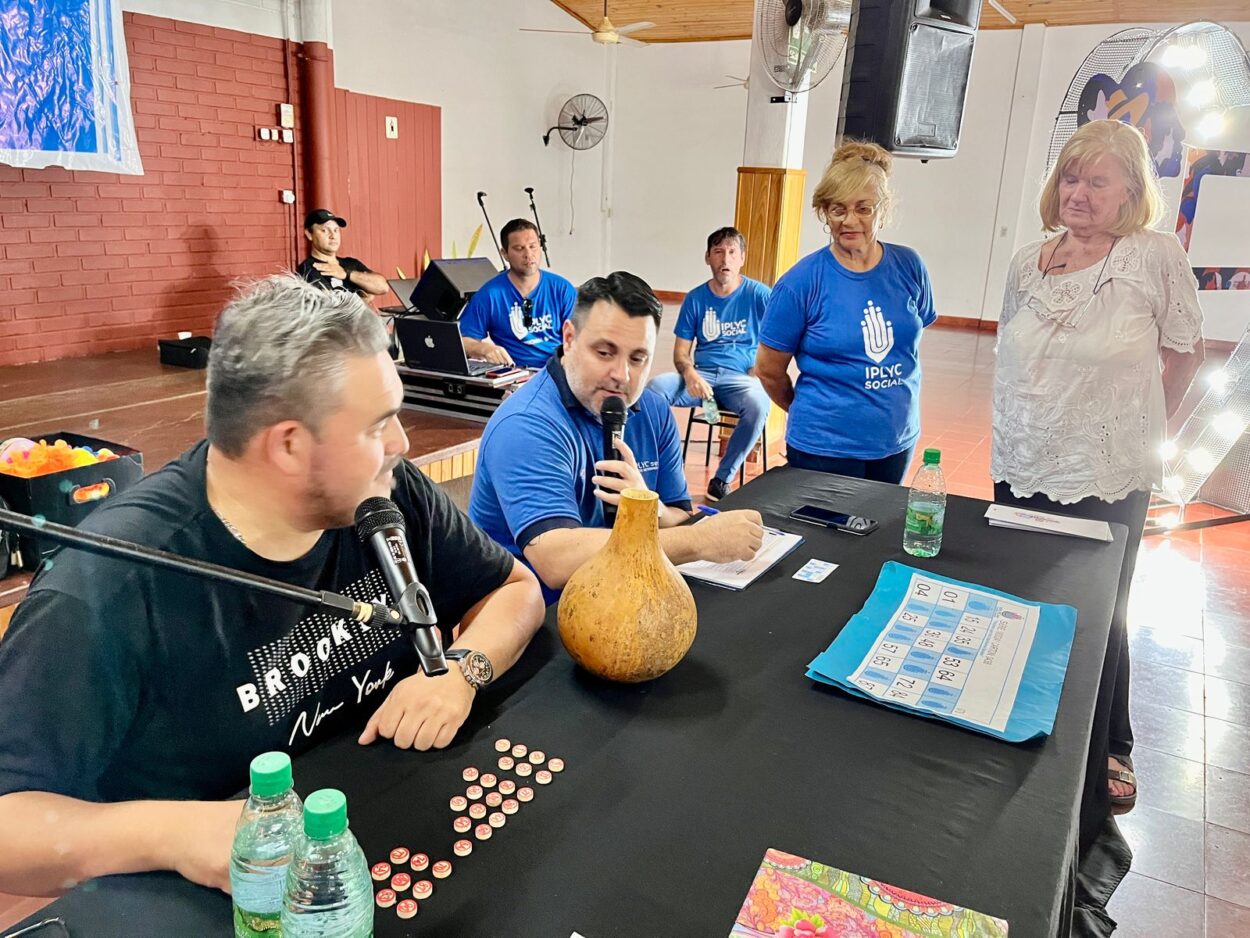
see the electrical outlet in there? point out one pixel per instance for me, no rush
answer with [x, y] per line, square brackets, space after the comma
[286, 115]
[288, 135]
[392, 128]
[264, 133]
[288, 196]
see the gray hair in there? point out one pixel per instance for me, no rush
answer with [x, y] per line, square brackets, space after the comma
[279, 350]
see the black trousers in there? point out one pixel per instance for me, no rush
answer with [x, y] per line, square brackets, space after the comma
[890, 469]
[1113, 731]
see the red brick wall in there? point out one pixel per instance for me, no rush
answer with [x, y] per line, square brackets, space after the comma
[95, 262]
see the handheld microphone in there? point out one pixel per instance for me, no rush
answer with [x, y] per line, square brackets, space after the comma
[380, 524]
[613, 415]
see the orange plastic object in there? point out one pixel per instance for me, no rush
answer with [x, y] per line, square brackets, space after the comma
[44, 458]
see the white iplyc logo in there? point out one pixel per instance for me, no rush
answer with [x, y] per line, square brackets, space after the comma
[878, 332]
[711, 325]
[516, 319]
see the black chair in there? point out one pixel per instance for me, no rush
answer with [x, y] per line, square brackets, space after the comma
[697, 416]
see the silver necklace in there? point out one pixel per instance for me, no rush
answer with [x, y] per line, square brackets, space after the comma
[229, 527]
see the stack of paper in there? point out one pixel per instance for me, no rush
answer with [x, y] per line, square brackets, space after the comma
[1026, 519]
[742, 573]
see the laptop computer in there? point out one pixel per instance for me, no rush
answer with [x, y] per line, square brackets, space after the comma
[402, 289]
[431, 345]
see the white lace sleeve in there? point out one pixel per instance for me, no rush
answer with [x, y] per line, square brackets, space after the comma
[1180, 314]
[1011, 291]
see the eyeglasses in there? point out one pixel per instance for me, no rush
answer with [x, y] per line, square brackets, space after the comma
[839, 212]
[527, 312]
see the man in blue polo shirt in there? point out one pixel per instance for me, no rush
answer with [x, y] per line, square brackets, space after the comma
[541, 483]
[517, 315]
[721, 319]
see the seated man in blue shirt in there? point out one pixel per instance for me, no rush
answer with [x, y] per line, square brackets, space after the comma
[725, 315]
[517, 315]
[541, 483]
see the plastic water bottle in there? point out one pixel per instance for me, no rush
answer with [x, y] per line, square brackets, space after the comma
[711, 413]
[926, 508]
[264, 842]
[329, 893]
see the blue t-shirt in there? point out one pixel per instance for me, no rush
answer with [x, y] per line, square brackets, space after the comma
[498, 310]
[538, 455]
[856, 338]
[725, 330]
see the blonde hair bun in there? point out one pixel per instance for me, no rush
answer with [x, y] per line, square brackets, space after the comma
[865, 151]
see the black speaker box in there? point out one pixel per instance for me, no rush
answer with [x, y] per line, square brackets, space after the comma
[447, 285]
[906, 74]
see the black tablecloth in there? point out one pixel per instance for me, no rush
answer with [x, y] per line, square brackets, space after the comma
[674, 789]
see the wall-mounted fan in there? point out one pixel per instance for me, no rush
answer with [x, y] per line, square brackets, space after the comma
[605, 33]
[801, 41]
[582, 123]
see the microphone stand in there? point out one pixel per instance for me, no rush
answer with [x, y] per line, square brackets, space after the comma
[481, 202]
[372, 614]
[542, 238]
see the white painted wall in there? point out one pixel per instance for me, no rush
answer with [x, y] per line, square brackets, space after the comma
[945, 208]
[666, 175]
[499, 90]
[261, 17]
[677, 149]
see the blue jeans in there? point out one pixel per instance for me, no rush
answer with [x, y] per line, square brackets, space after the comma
[734, 391]
[887, 469]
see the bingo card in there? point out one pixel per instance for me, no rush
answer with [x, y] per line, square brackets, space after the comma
[954, 651]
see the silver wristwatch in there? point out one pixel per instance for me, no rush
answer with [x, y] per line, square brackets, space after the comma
[477, 669]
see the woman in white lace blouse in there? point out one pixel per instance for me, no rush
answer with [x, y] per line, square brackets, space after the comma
[1099, 337]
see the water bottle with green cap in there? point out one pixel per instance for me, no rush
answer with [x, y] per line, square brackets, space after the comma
[329, 893]
[264, 842]
[926, 508]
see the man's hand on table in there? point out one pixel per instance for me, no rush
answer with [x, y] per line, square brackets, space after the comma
[422, 712]
[731, 535]
[495, 354]
[200, 840]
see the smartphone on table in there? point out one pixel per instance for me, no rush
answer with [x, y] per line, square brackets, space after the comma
[839, 520]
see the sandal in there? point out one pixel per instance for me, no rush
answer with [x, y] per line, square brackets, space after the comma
[1122, 804]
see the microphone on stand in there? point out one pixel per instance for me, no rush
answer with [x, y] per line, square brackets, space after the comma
[481, 203]
[612, 415]
[374, 615]
[542, 238]
[380, 524]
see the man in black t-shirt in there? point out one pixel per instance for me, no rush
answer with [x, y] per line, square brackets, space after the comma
[325, 268]
[134, 697]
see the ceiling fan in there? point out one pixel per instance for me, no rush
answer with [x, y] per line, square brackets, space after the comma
[605, 33]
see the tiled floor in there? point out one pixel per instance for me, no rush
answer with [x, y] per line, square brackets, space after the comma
[1189, 624]
[1190, 633]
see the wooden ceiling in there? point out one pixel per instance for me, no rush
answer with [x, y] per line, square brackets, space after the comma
[703, 20]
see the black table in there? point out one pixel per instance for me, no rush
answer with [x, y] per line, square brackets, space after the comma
[675, 789]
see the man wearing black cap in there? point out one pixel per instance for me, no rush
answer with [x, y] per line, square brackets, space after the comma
[325, 268]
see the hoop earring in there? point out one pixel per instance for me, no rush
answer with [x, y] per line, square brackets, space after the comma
[828, 230]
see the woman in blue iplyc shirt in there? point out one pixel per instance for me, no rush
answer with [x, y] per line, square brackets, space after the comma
[851, 316]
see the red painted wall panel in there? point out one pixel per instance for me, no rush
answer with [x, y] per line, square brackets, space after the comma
[389, 189]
